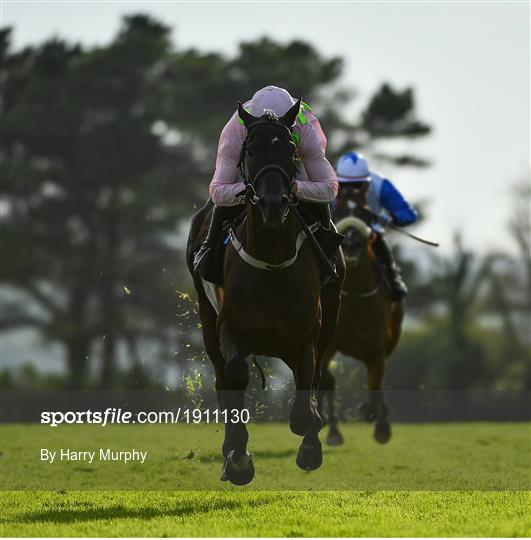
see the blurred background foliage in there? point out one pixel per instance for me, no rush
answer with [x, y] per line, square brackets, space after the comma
[105, 152]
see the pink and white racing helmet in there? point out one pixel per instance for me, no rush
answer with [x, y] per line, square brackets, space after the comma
[271, 98]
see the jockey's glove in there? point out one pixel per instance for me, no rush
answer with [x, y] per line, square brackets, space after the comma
[242, 196]
[385, 219]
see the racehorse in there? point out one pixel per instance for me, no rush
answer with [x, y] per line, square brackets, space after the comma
[368, 328]
[271, 302]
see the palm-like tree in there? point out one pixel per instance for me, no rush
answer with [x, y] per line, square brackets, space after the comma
[459, 282]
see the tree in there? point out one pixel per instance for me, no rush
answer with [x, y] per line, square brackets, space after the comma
[88, 191]
[104, 152]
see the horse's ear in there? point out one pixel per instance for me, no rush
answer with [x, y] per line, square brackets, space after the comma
[246, 117]
[289, 118]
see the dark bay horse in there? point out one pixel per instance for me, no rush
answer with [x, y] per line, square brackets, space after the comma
[368, 328]
[271, 302]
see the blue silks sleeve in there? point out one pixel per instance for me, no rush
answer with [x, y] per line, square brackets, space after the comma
[401, 211]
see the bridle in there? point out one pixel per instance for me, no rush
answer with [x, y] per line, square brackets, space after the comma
[369, 293]
[355, 261]
[250, 196]
[250, 181]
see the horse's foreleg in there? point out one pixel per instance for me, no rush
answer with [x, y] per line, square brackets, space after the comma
[304, 414]
[304, 418]
[220, 394]
[238, 467]
[376, 409]
[370, 409]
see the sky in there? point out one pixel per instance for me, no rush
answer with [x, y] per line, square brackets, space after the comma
[468, 63]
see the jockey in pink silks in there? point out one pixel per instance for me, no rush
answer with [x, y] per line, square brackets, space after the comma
[315, 184]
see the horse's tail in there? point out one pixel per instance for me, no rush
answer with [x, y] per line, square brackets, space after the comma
[261, 371]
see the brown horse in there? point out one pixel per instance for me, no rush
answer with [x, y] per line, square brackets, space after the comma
[368, 328]
[271, 302]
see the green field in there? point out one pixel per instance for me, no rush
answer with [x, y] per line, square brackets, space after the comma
[266, 514]
[430, 480]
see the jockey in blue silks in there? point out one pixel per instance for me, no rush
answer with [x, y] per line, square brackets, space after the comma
[386, 203]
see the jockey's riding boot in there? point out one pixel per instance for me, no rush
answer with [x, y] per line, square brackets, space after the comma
[332, 243]
[202, 257]
[385, 255]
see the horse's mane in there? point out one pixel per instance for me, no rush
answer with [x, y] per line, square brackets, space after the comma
[270, 115]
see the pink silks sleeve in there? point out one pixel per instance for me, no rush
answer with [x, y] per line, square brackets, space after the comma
[317, 181]
[226, 183]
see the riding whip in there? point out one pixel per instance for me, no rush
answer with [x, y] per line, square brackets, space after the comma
[418, 238]
[398, 229]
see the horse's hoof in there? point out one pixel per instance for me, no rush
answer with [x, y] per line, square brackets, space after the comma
[309, 457]
[382, 431]
[335, 439]
[239, 473]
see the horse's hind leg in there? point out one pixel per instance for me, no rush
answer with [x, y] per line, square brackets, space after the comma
[330, 301]
[208, 318]
[326, 394]
[328, 384]
[376, 408]
[238, 467]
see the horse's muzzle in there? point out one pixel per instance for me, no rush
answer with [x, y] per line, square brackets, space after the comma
[273, 223]
[274, 215]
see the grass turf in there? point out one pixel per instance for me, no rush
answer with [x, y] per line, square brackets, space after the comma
[161, 514]
[381, 484]
[466, 456]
